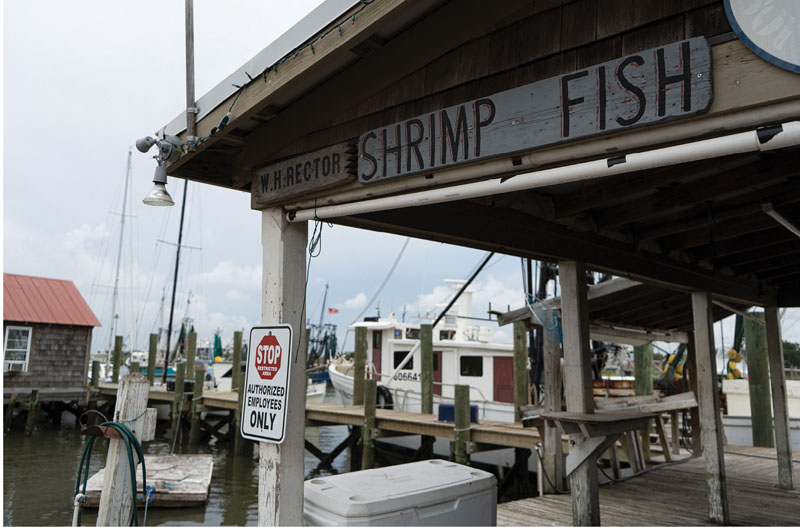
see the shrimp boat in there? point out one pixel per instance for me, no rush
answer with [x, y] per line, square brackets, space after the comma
[463, 353]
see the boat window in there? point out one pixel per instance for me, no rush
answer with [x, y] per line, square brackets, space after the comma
[447, 334]
[412, 333]
[376, 340]
[398, 358]
[436, 361]
[450, 320]
[472, 366]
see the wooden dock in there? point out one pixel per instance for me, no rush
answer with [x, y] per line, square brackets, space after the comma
[179, 481]
[676, 495]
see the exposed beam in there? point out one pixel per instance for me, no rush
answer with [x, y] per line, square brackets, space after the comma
[514, 233]
[769, 209]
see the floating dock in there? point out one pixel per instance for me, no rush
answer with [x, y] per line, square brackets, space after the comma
[179, 481]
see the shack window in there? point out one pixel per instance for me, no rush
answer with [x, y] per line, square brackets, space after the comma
[472, 366]
[17, 348]
[398, 358]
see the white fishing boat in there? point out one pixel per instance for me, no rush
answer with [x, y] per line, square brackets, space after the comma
[463, 353]
[223, 374]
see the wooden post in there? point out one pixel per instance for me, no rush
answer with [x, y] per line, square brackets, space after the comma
[578, 385]
[117, 359]
[151, 358]
[280, 473]
[708, 402]
[553, 450]
[662, 438]
[520, 369]
[643, 385]
[359, 365]
[12, 402]
[755, 338]
[368, 432]
[237, 360]
[426, 368]
[191, 351]
[643, 369]
[675, 431]
[694, 413]
[240, 444]
[33, 406]
[115, 500]
[95, 374]
[177, 401]
[197, 406]
[779, 403]
[462, 424]
[134, 367]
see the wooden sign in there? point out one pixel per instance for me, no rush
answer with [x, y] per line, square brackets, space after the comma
[654, 86]
[311, 172]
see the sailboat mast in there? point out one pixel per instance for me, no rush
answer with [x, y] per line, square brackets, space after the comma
[175, 281]
[112, 329]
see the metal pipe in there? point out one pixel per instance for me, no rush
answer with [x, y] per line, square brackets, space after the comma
[762, 139]
[174, 283]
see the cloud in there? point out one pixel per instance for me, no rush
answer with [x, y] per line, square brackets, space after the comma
[357, 302]
[227, 273]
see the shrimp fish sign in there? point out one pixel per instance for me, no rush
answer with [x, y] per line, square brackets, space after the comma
[661, 84]
[266, 387]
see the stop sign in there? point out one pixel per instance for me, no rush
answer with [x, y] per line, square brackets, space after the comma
[268, 357]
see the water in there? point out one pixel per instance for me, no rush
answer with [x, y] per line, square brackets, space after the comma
[39, 476]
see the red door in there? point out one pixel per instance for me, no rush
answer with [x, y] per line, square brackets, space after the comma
[504, 379]
[437, 372]
[376, 354]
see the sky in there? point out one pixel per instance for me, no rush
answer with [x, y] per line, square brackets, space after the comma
[81, 82]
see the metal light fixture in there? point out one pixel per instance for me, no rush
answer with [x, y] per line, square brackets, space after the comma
[168, 151]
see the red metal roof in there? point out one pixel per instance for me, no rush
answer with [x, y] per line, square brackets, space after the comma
[44, 300]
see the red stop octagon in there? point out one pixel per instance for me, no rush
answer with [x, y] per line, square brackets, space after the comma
[268, 357]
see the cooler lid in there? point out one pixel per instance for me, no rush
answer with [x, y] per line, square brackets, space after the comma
[391, 489]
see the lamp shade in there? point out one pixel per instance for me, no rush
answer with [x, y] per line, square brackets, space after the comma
[159, 197]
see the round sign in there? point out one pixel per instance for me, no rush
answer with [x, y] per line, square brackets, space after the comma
[268, 357]
[770, 28]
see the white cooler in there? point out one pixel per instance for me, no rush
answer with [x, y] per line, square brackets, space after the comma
[433, 492]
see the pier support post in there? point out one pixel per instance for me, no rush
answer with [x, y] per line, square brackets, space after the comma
[194, 429]
[694, 413]
[12, 402]
[708, 402]
[643, 385]
[280, 474]
[779, 402]
[359, 365]
[756, 355]
[240, 444]
[117, 359]
[426, 367]
[237, 360]
[578, 385]
[191, 351]
[33, 406]
[134, 367]
[553, 458]
[177, 402]
[151, 358]
[115, 500]
[426, 377]
[368, 432]
[95, 374]
[520, 369]
[462, 424]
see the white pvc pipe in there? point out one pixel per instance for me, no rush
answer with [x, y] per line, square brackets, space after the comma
[673, 155]
[571, 152]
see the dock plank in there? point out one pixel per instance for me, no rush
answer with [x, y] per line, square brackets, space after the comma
[676, 495]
